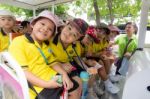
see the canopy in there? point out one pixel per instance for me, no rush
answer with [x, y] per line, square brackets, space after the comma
[33, 4]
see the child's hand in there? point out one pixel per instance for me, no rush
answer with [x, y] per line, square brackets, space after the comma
[104, 57]
[127, 54]
[53, 83]
[67, 67]
[67, 82]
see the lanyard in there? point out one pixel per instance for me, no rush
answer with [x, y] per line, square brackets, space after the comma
[42, 54]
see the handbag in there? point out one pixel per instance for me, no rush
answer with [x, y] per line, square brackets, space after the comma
[124, 66]
[119, 61]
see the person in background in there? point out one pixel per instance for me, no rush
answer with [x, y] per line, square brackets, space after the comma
[25, 27]
[131, 30]
[7, 21]
[33, 54]
[114, 31]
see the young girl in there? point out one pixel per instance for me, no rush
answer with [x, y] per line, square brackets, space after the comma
[33, 54]
[63, 47]
[7, 21]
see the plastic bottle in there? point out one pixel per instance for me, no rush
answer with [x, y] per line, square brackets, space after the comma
[85, 77]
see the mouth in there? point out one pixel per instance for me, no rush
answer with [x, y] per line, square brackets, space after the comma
[42, 34]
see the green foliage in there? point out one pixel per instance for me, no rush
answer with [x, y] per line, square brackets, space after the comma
[17, 11]
[121, 9]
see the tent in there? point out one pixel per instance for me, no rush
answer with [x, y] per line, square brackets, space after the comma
[34, 4]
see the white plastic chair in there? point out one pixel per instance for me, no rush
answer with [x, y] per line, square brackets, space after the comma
[13, 83]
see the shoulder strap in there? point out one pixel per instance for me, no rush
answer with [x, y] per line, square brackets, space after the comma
[125, 50]
[80, 60]
[33, 89]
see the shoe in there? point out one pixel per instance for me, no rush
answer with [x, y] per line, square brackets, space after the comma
[99, 90]
[115, 78]
[110, 87]
[91, 94]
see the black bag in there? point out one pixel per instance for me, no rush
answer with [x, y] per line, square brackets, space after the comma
[50, 93]
[119, 61]
[118, 64]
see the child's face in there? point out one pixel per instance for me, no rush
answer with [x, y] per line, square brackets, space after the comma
[69, 34]
[1, 23]
[7, 22]
[43, 29]
[87, 40]
[100, 33]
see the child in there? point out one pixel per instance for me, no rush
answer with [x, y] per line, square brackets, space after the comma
[7, 21]
[114, 31]
[93, 62]
[63, 47]
[33, 54]
[25, 25]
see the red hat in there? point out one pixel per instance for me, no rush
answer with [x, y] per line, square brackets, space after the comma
[91, 32]
[80, 24]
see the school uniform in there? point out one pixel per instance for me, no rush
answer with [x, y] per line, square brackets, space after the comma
[27, 53]
[66, 55]
[4, 40]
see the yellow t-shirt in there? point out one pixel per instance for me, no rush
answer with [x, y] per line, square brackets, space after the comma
[100, 46]
[24, 50]
[86, 49]
[4, 42]
[61, 53]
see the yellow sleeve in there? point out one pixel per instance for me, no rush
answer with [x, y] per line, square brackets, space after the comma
[17, 50]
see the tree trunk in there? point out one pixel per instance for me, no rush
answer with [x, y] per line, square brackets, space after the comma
[109, 3]
[96, 12]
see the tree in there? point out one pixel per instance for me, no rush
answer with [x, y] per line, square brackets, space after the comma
[96, 12]
[111, 11]
[109, 3]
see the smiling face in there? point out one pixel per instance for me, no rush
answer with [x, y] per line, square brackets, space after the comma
[69, 34]
[7, 22]
[43, 29]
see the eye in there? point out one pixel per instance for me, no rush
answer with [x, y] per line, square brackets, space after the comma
[2, 19]
[51, 30]
[74, 35]
[9, 19]
[69, 28]
[42, 23]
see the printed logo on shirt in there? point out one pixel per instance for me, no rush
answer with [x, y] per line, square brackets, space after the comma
[51, 51]
[71, 52]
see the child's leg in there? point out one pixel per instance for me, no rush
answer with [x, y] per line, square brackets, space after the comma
[76, 94]
[107, 64]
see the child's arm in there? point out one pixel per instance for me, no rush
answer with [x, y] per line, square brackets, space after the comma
[66, 80]
[36, 81]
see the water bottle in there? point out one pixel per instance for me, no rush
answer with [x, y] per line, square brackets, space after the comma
[85, 77]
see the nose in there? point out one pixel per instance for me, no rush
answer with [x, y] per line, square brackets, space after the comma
[45, 29]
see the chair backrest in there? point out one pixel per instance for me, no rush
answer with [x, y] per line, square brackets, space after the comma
[13, 82]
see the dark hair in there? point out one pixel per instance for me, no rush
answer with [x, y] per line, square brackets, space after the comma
[134, 25]
[24, 24]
